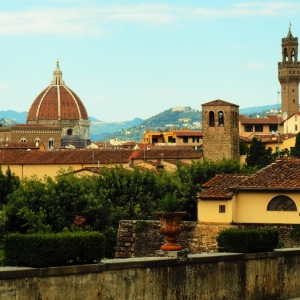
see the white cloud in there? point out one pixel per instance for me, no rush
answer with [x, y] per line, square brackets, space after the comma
[97, 20]
[255, 66]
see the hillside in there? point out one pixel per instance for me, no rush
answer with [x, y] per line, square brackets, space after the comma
[183, 117]
[133, 130]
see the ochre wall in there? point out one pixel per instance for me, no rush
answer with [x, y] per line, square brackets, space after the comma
[251, 207]
[40, 170]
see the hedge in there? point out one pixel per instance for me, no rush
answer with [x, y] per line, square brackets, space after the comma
[48, 250]
[247, 240]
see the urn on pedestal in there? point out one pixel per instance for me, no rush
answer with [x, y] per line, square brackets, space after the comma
[170, 221]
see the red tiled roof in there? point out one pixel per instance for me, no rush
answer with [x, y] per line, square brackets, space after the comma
[220, 187]
[219, 102]
[296, 113]
[272, 138]
[169, 154]
[68, 157]
[267, 120]
[283, 174]
[89, 156]
[189, 133]
[57, 101]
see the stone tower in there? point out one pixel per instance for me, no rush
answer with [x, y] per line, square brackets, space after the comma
[220, 125]
[289, 75]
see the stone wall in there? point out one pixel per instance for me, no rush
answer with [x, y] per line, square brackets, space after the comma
[230, 276]
[142, 238]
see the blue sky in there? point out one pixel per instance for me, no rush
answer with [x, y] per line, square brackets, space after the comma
[128, 59]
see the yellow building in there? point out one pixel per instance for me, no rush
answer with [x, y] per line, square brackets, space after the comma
[269, 196]
[265, 125]
[183, 137]
[25, 162]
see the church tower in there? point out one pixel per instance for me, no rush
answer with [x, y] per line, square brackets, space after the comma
[220, 125]
[289, 75]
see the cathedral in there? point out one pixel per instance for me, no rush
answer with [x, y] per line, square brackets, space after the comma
[57, 119]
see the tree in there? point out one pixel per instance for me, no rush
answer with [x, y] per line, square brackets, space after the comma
[295, 152]
[258, 156]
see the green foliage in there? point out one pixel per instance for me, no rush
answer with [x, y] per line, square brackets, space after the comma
[169, 203]
[295, 233]
[48, 205]
[296, 150]
[247, 240]
[258, 155]
[48, 250]
[8, 183]
[243, 148]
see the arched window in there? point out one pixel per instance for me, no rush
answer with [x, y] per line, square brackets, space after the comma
[221, 118]
[211, 119]
[285, 55]
[282, 203]
[23, 140]
[50, 143]
[293, 55]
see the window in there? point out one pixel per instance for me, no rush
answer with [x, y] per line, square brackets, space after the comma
[273, 128]
[196, 139]
[50, 143]
[221, 118]
[170, 139]
[296, 127]
[23, 140]
[185, 139]
[282, 203]
[222, 209]
[248, 128]
[69, 132]
[259, 128]
[211, 119]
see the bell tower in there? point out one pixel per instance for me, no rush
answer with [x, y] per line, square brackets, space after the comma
[220, 125]
[289, 74]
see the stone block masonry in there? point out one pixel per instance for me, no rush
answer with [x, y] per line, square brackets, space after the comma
[207, 276]
[142, 238]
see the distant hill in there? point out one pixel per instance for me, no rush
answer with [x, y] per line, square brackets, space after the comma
[16, 117]
[259, 110]
[179, 117]
[102, 130]
[133, 130]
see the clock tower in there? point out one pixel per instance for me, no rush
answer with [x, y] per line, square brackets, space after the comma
[289, 75]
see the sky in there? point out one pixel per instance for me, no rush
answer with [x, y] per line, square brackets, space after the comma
[135, 59]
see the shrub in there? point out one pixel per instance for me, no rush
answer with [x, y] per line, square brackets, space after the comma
[50, 249]
[247, 240]
[295, 233]
[170, 203]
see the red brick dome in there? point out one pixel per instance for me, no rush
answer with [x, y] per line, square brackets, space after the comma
[56, 103]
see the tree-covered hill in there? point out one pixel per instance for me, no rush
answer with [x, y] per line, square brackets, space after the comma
[182, 117]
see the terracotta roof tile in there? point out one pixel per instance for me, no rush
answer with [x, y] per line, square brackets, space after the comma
[221, 186]
[267, 120]
[282, 174]
[219, 102]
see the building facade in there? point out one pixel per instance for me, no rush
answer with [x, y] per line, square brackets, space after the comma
[289, 75]
[220, 124]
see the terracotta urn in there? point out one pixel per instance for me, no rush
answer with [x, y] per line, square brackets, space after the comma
[171, 227]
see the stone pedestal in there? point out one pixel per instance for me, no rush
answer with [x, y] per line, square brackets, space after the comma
[183, 253]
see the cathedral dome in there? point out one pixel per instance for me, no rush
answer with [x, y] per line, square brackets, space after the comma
[56, 104]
